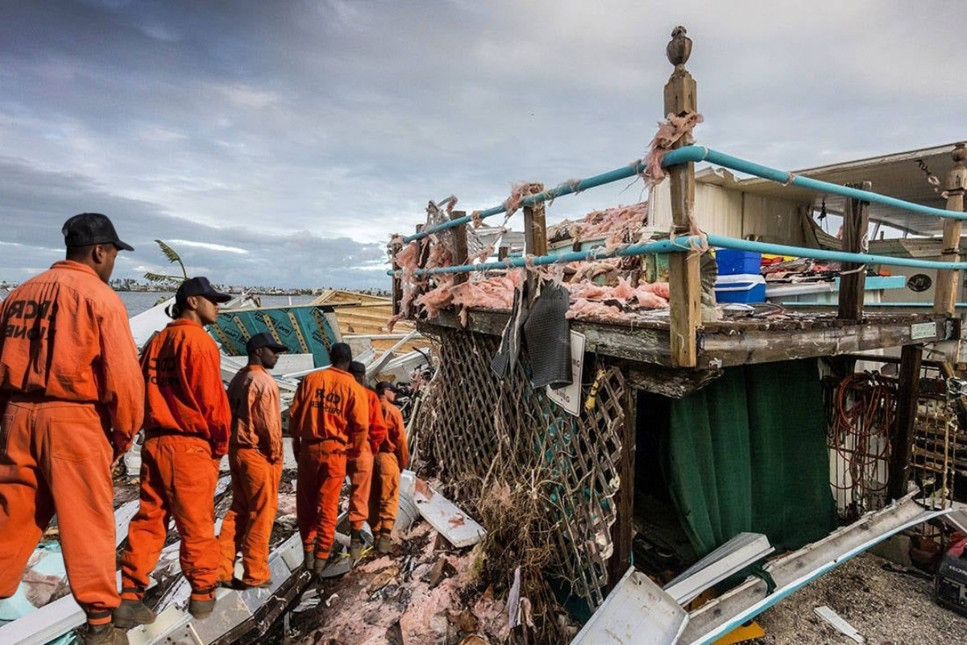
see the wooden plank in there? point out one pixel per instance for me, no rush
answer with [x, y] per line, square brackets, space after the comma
[906, 414]
[683, 268]
[459, 246]
[670, 382]
[948, 281]
[726, 346]
[395, 248]
[723, 350]
[623, 530]
[853, 281]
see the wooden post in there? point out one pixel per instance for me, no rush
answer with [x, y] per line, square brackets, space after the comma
[502, 252]
[460, 254]
[683, 268]
[623, 530]
[535, 228]
[422, 254]
[852, 286]
[906, 414]
[395, 247]
[945, 297]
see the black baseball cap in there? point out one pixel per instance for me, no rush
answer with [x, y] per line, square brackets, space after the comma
[382, 386]
[264, 339]
[357, 368]
[199, 286]
[91, 228]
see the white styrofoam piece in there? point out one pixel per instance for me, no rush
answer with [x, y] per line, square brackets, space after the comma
[838, 623]
[443, 515]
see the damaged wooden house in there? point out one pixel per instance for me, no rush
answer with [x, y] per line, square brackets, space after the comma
[605, 418]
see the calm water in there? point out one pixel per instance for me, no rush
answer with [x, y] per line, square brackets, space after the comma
[138, 301]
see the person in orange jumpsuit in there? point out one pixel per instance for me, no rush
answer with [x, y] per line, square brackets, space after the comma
[71, 399]
[255, 455]
[186, 431]
[392, 456]
[360, 465]
[328, 418]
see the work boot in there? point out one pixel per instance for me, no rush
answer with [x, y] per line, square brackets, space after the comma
[309, 560]
[356, 544]
[201, 609]
[319, 565]
[133, 612]
[104, 634]
[384, 543]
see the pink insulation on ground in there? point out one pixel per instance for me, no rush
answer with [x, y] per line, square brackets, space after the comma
[362, 605]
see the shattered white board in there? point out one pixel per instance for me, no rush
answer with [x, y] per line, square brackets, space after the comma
[443, 515]
[636, 612]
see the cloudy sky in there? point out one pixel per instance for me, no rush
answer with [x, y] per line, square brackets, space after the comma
[281, 143]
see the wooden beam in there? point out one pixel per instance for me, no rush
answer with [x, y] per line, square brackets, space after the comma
[681, 97]
[769, 346]
[623, 529]
[906, 414]
[852, 284]
[460, 254]
[535, 226]
[727, 345]
[395, 247]
[948, 281]
[670, 382]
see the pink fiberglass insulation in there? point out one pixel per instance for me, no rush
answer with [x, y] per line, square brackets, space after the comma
[618, 225]
[669, 133]
[360, 607]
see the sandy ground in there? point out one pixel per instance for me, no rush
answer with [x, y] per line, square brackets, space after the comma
[884, 602]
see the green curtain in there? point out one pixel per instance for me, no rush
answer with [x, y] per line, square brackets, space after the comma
[748, 453]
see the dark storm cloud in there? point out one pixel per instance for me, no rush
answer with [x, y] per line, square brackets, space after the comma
[329, 121]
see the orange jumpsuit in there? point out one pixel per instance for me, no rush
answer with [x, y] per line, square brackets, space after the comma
[75, 397]
[360, 466]
[187, 423]
[255, 454]
[393, 456]
[327, 419]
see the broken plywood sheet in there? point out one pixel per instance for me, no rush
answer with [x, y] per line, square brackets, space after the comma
[637, 611]
[443, 515]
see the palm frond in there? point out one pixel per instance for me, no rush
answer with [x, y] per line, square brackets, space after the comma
[172, 256]
[161, 277]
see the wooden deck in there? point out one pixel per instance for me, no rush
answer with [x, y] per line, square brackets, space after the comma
[738, 342]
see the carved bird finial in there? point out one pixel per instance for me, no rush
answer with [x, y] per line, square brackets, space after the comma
[679, 47]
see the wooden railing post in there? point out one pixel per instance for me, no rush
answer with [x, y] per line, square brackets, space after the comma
[395, 247]
[908, 392]
[535, 227]
[852, 286]
[683, 268]
[948, 280]
[460, 254]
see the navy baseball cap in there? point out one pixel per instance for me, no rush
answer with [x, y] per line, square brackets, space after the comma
[91, 228]
[264, 339]
[200, 286]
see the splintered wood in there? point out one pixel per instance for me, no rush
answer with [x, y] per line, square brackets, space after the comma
[505, 433]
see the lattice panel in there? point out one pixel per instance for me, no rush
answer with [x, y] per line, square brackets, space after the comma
[477, 424]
